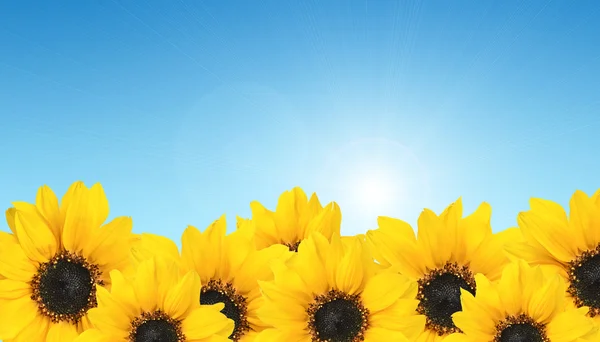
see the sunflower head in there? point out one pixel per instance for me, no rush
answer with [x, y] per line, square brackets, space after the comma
[568, 244]
[158, 304]
[146, 246]
[331, 291]
[443, 257]
[229, 267]
[57, 255]
[526, 304]
[294, 219]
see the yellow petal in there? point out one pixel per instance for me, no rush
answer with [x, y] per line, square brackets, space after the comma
[98, 206]
[452, 240]
[431, 238]
[10, 219]
[327, 222]
[471, 231]
[77, 226]
[110, 322]
[14, 264]
[398, 251]
[531, 251]
[155, 245]
[380, 334]
[47, 204]
[184, 296]
[204, 251]
[509, 290]
[286, 217]
[256, 266]
[35, 237]
[547, 298]
[145, 285]
[265, 229]
[204, 322]
[301, 209]
[167, 275]
[123, 292]
[62, 332]
[68, 198]
[547, 223]
[314, 205]
[396, 227]
[570, 325]
[14, 289]
[349, 274]
[37, 330]
[384, 289]
[93, 335]
[12, 324]
[458, 337]
[309, 262]
[584, 220]
[474, 319]
[400, 316]
[489, 258]
[270, 335]
[110, 306]
[109, 246]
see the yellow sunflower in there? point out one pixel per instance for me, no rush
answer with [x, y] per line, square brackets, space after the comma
[569, 245]
[229, 267]
[331, 291]
[293, 220]
[443, 258]
[53, 260]
[158, 304]
[527, 304]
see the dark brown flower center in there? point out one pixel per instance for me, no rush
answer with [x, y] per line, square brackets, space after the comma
[439, 296]
[520, 329]
[236, 306]
[584, 280]
[337, 317]
[64, 288]
[292, 246]
[155, 326]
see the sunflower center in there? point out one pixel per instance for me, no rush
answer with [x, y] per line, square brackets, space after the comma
[64, 288]
[155, 326]
[235, 308]
[337, 317]
[292, 246]
[439, 296]
[584, 277]
[520, 329]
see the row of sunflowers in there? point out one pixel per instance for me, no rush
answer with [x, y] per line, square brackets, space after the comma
[288, 275]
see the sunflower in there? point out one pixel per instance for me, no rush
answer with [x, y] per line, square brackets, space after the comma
[527, 304]
[569, 245]
[53, 261]
[330, 291]
[443, 258]
[294, 219]
[229, 267]
[159, 304]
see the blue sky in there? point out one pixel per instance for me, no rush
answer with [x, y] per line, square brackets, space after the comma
[185, 110]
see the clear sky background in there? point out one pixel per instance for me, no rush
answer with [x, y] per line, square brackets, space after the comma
[185, 110]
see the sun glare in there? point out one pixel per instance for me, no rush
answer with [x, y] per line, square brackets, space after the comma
[375, 177]
[375, 192]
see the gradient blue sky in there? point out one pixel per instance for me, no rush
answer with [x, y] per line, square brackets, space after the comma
[185, 110]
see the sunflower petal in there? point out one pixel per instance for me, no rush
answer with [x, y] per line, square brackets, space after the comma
[34, 235]
[12, 324]
[203, 322]
[62, 332]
